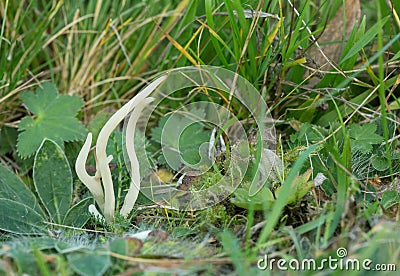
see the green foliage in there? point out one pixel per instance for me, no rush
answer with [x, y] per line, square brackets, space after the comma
[364, 137]
[20, 212]
[97, 123]
[83, 258]
[365, 39]
[380, 163]
[308, 133]
[231, 245]
[181, 137]
[8, 137]
[264, 199]
[390, 199]
[77, 215]
[54, 119]
[17, 217]
[12, 188]
[52, 177]
[89, 263]
[104, 64]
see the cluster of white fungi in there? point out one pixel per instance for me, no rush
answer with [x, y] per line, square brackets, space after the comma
[100, 184]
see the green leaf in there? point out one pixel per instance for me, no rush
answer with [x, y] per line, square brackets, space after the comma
[16, 217]
[353, 38]
[43, 242]
[395, 57]
[380, 163]
[8, 139]
[22, 257]
[78, 215]
[299, 187]
[12, 188]
[368, 36]
[90, 263]
[180, 136]
[119, 246]
[309, 133]
[64, 247]
[52, 178]
[236, 254]
[127, 246]
[97, 123]
[260, 201]
[363, 137]
[389, 199]
[54, 119]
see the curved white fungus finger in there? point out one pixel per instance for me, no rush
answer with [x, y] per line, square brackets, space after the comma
[91, 182]
[93, 211]
[101, 144]
[134, 188]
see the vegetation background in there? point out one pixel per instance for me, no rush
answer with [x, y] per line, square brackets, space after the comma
[329, 71]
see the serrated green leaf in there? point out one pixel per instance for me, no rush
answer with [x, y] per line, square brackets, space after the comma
[78, 215]
[363, 137]
[32, 102]
[54, 119]
[16, 217]
[52, 178]
[90, 263]
[12, 188]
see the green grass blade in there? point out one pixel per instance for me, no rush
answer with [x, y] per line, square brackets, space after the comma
[214, 40]
[368, 36]
[281, 200]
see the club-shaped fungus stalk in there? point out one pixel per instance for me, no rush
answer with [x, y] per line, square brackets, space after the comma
[104, 194]
[93, 211]
[134, 188]
[91, 182]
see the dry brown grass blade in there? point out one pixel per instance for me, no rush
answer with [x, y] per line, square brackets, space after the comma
[171, 262]
[181, 49]
[396, 16]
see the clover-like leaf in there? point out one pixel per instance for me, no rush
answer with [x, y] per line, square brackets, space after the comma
[54, 118]
[363, 137]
